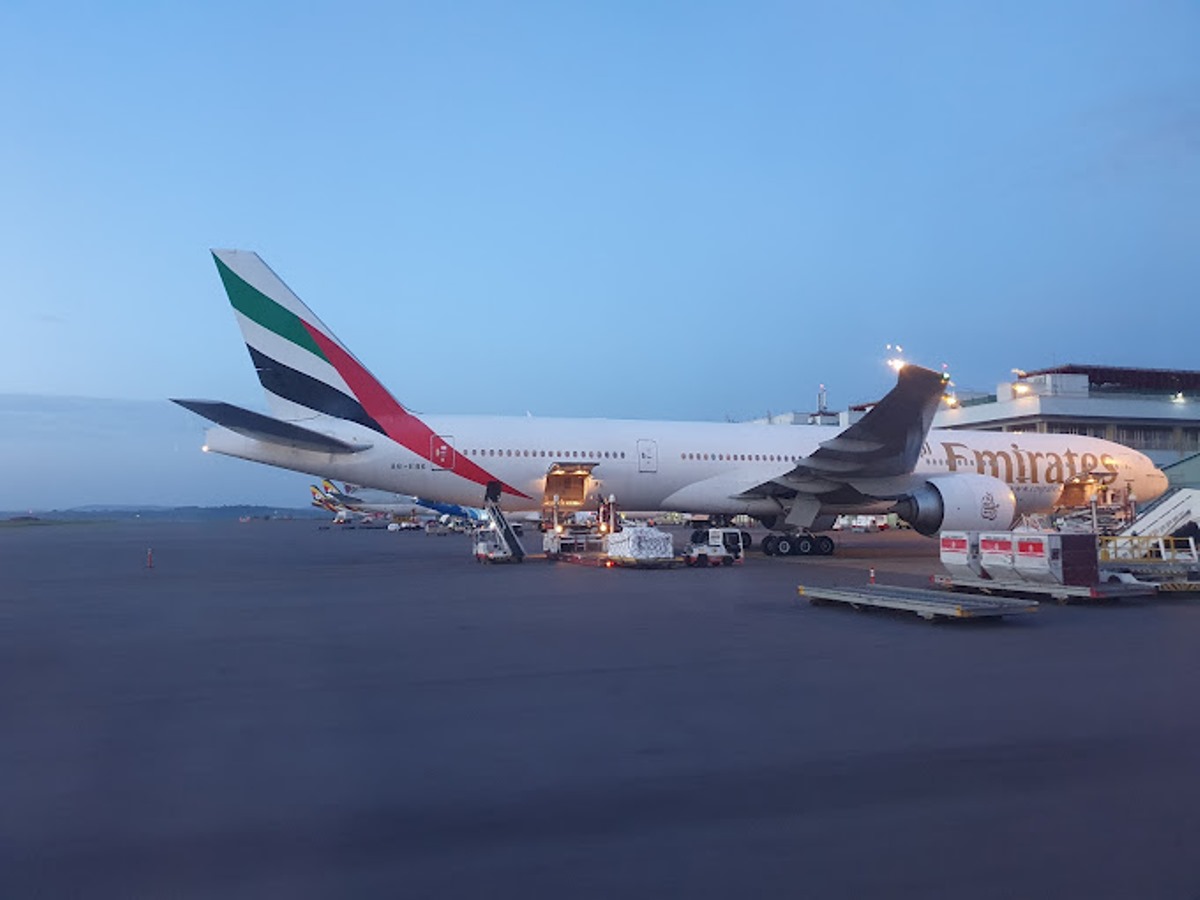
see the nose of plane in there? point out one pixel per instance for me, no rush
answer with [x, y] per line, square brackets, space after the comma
[1154, 483]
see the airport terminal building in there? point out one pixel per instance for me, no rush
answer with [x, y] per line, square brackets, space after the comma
[1156, 411]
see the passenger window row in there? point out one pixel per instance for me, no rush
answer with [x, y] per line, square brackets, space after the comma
[740, 457]
[554, 454]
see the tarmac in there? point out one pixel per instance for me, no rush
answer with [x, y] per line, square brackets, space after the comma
[279, 710]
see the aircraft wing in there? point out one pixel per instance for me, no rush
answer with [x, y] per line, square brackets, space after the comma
[264, 428]
[871, 458]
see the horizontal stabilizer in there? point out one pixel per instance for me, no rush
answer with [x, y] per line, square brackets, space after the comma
[264, 428]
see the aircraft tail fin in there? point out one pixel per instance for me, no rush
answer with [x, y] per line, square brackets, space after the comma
[304, 369]
[320, 500]
[307, 372]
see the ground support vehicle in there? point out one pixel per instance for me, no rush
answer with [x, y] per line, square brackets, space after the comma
[715, 547]
[1166, 562]
[488, 548]
[496, 540]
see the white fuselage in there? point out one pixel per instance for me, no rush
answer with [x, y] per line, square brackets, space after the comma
[679, 466]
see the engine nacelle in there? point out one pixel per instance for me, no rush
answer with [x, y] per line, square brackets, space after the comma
[959, 503]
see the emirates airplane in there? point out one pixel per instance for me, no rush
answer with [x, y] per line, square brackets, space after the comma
[330, 416]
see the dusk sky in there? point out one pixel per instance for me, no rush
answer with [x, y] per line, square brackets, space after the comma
[671, 210]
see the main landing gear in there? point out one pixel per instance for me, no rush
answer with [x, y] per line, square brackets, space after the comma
[797, 545]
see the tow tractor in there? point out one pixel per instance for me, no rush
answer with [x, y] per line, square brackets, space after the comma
[715, 547]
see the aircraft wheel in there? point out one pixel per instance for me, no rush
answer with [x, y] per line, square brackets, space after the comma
[804, 546]
[784, 546]
[768, 545]
[825, 545]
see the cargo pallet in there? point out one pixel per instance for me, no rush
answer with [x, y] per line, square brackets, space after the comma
[604, 561]
[927, 603]
[1063, 593]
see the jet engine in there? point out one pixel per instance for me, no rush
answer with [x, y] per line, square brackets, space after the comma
[959, 503]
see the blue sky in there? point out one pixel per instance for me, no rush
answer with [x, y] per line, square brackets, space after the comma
[750, 197]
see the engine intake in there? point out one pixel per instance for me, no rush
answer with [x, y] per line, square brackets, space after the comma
[959, 503]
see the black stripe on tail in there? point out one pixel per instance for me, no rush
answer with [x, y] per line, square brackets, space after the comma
[309, 392]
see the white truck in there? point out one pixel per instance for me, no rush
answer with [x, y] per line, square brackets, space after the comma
[716, 547]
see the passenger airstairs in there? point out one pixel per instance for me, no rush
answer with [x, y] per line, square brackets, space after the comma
[1167, 514]
[508, 547]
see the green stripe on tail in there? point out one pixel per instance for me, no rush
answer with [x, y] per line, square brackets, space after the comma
[257, 306]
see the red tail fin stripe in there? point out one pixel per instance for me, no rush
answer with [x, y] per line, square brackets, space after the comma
[400, 425]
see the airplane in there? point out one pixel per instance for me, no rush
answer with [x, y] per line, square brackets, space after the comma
[346, 508]
[379, 503]
[330, 415]
[386, 503]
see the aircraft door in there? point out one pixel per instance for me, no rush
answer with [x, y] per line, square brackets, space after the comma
[647, 451]
[441, 452]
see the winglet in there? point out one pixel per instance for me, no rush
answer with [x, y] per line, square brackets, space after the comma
[887, 440]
